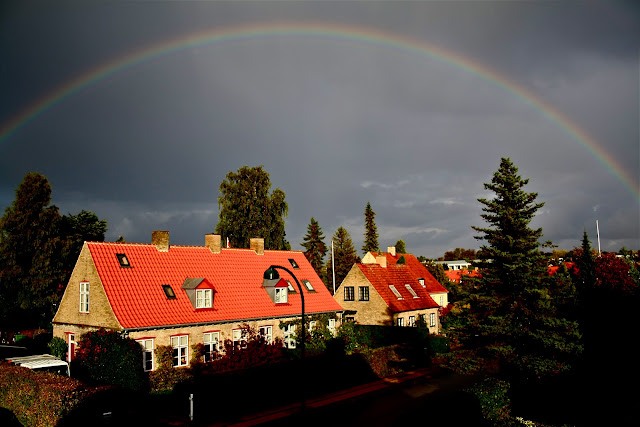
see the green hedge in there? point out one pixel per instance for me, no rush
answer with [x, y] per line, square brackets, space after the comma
[40, 398]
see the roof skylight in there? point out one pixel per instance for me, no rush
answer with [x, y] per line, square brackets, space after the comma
[308, 285]
[123, 260]
[395, 291]
[168, 291]
[293, 263]
[410, 289]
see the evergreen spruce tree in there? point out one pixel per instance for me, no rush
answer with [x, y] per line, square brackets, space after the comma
[314, 246]
[345, 256]
[371, 231]
[508, 321]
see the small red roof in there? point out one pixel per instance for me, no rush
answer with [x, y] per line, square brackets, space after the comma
[138, 300]
[456, 275]
[399, 276]
[418, 270]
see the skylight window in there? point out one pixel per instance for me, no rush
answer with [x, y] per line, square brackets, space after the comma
[308, 285]
[168, 291]
[395, 291]
[290, 286]
[123, 260]
[410, 289]
[294, 264]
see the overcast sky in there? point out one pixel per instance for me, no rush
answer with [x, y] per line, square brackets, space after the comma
[406, 105]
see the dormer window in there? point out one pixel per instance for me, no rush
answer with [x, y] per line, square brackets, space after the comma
[281, 295]
[199, 291]
[421, 280]
[123, 260]
[204, 298]
[294, 264]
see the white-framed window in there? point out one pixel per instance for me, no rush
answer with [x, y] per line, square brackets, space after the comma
[239, 337]
[363, 293]
[395, 291]
[180, 344]
[308, 285]
[312, 325]
[411, 291]
[332, 326]
[421, 280]
[412, 320]
[84, 297]
[400, 321]
[348, 293]
[441, 300]
[204, 298]
[147, 354]
[211, 341]
[289, 333]
[266, 332]
[281, 296]
[432, 319]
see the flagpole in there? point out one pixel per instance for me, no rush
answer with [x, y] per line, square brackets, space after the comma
[598, 231]
[333, 268]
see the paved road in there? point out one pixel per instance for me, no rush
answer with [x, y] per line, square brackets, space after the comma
[400, 400]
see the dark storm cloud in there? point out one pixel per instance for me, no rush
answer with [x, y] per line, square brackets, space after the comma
[336, 123]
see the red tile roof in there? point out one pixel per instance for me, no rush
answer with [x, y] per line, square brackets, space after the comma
[418, 270]
[456, 275]
[138, 300]
[398, 275]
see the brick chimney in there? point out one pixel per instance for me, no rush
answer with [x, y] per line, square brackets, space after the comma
[161, 240]
[391, 250]
[213, 242]
[382, 261]
[257, 244]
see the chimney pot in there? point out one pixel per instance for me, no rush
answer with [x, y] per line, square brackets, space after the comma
[392, 250]
[382, 261]
[161, 240]
[213, 242]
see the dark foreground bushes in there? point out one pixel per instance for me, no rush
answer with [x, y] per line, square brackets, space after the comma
[40, 398]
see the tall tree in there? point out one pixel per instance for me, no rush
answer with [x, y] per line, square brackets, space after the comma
[247, 209]
[509, 320]
[31, 278]
[345, 256]
[370, 231]
[314, 246]
[77, 229]
[400, 247]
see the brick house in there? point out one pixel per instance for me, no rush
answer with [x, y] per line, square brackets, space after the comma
[162, 294]
[391, 289]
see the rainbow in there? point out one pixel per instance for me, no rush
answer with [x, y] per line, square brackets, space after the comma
[318, 30]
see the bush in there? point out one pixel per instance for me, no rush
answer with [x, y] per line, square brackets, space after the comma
[165, 377]
[493, 395]
[40, 398]
[58, 347]
[106, 357]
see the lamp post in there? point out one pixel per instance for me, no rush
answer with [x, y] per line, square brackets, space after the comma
[272, 275]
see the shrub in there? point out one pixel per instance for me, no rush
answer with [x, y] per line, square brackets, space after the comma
[58, 347]
[106, 357]
[493, 395]
[166, 377]
[40, 398]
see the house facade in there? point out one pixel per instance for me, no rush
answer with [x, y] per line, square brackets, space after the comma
[162, 294]
[391, 289]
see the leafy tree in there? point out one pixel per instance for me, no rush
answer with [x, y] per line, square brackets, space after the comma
[38, 249]
[371, 231]
[345, 256]
[508, 322]
[460, 253]
[247, 209]
[31, 278]
[400, 247]
[437, 271]
[314, 246]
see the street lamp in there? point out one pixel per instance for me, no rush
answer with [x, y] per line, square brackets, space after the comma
[271, 277]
